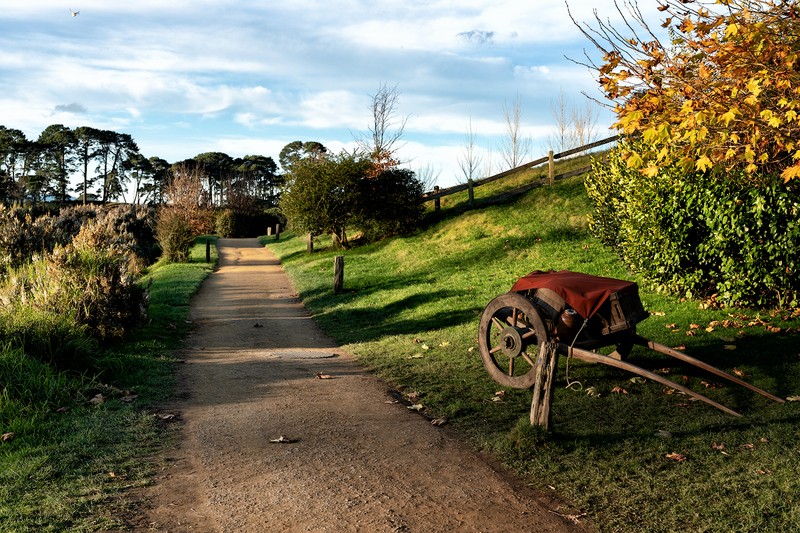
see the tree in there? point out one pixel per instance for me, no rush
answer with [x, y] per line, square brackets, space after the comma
[574, 125]
[14, 147]
[514, 148]
[297, 150]
[87, 142]
[57, 142]
[256, 177]
[470, 160]
[722, 96]
[321, 195]
[385, 130]
[113, 151]
[217, 167]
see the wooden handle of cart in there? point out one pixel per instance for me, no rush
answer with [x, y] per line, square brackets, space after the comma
[594, 357]
[638, 339]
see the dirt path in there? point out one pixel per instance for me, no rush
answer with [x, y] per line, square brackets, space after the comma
[357, 462]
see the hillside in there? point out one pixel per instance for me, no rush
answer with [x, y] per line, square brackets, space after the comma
[410, 312]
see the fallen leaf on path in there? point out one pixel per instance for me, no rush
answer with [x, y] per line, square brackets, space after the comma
[730, 346]
[793, 398]
[637, 379]
[694, 326]
[438, 422]
[320, 375]
[748, 446]
[671, 326]
[112, 474]
[413, 396]
[592, 391]
[7, 437]
[679, 457]
[500, 393]
[719, 447]
[415, 356]
[165, 416]
[619, 390]
[738, 372]
[471, 349]
[425, 347]
[664, 370]
[444, 344]
[658, 313]
[282, 440]
[416, 407]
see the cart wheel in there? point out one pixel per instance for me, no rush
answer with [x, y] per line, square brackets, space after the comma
[511, 337]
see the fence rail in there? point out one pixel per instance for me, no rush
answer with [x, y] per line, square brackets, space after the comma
[550, 158]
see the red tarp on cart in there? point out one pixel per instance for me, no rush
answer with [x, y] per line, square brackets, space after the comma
[583, 292]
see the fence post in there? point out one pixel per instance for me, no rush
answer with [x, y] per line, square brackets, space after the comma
[269, 231]
[208, 249]
[338, 273]
[471, 188]
[310, 244]
[277, 231]
[437, 202]
[551, 168]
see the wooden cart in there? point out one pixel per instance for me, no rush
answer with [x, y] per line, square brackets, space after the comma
[545, 314]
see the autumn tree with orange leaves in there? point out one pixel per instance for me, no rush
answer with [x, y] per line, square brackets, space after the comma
[723, 95]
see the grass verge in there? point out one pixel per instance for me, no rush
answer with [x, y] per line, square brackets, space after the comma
[71, 461]
[630, 454]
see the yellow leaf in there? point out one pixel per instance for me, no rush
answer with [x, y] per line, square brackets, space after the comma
[634, 161]
[703, 164]
[729, 116]
[731, 30]
[754, 87]
[650, 171]
[791, 173]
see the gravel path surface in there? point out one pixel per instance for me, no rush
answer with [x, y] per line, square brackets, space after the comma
[351, 458]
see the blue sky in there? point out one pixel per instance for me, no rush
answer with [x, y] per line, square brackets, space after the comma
[185, 77]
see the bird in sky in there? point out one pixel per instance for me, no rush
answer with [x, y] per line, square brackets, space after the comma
[74, 13]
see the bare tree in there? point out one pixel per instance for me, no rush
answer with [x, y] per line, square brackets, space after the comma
[470, 160]
[386, 129]
[574, 125]
[515, 147]
[428, 175]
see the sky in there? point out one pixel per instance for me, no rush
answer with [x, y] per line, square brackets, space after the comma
[246, 78]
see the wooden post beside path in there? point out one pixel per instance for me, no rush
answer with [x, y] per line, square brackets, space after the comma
[338, 273]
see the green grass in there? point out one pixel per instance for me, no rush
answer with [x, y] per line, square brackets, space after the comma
[71, 462]
[410, 312]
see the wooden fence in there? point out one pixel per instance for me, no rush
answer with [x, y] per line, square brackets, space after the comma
[550, 158]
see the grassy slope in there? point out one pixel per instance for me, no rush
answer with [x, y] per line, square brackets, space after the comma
[410, 311]
[67, 471]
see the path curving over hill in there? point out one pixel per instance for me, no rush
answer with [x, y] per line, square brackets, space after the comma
[355, 460]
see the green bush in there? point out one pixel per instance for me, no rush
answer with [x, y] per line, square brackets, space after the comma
[225, 223]
[174, 234]
[389, 204]
[24, 235]
[728, 239]
[92, 284]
